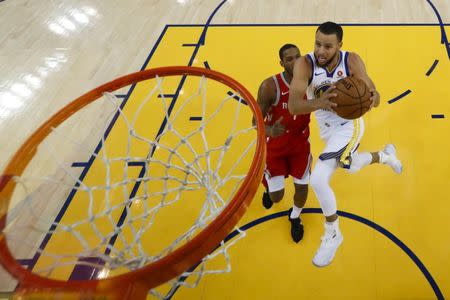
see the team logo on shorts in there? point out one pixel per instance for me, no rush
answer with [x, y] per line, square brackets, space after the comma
[339, 73]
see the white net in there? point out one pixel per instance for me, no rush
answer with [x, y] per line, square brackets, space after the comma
[165, 167]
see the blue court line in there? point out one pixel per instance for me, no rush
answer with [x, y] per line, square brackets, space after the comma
[305, 24]
[166, 95]
[399, 96]
[25, 262]
[161, 129]
[136, 186]
[437, 116]
[77, 184]
[90, 161]
[123, 215]
[205, 28]
[236, 97]
[120, 96]
[80, 164]
[195, 118]
[136, 164]
[344, 214]
[154, 48]
[83, 270]
[229, 93]
[189, 45]
[432, 67]
[444, 39]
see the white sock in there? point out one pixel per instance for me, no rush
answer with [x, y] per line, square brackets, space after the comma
[295, 213]
[383, 157]
[334, 224]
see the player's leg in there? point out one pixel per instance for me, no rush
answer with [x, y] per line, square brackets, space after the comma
[267, 203]
[337, 143]
[276, 169]
[332, 238]
[320, 182]
[341, 137]
[275, 188]
[387, 156]
[354, 161]
[300, 171]
[300, 196]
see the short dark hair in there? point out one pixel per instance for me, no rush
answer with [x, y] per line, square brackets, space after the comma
[284, 48]
[331, 28]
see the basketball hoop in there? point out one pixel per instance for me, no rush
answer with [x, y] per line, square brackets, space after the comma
[178, 175]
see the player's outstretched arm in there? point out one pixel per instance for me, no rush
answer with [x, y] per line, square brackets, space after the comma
[357, 68]
[297, 90]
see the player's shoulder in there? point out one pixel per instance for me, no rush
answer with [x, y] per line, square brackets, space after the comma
[354, 62]
[303, 67]
[268, 89]
[269, 82]
[353, 57]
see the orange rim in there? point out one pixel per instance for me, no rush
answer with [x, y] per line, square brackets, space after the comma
[136, 283]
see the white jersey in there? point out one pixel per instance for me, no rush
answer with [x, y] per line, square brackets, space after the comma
[319, 82]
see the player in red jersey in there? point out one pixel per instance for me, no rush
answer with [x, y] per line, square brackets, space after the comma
[288, 149]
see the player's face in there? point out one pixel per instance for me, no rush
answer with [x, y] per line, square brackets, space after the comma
[289, 57]
[326, 48]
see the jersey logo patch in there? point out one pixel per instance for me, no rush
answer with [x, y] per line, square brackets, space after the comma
[321, 89]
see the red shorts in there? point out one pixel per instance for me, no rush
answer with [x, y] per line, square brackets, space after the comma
[287, 155]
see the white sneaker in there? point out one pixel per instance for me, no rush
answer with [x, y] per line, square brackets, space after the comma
[391, 158]
[331, 240]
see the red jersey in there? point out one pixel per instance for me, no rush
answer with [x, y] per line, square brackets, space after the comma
[297, 127]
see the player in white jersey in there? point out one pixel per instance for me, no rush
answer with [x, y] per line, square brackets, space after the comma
[315, 74]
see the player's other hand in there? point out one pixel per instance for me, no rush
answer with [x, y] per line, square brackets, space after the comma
[323, 102]
[277, 129]
[375, 98]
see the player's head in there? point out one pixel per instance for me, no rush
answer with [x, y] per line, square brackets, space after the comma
[288, 54]
[328, 42]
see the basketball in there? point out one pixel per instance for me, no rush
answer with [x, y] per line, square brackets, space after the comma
[353, 98]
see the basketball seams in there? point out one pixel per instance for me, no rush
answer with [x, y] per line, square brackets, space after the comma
[346, 105]
[343, 92]
[349, 116]
[357, 90]
[353, 106]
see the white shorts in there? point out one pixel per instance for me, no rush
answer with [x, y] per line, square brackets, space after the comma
[276, 183]
[343, 140]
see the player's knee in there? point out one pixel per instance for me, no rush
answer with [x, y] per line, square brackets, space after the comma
[359, 160]
[276, 196]
[316, 181]
[356, 164]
